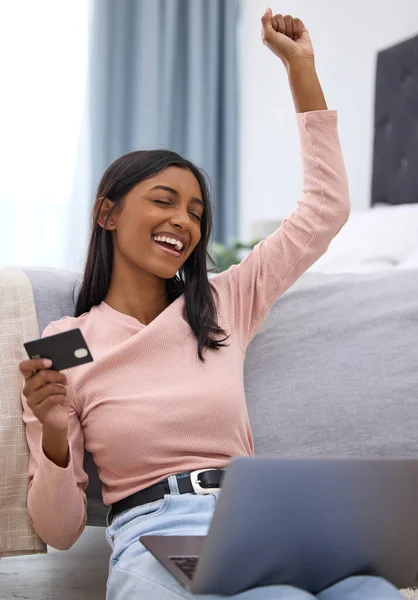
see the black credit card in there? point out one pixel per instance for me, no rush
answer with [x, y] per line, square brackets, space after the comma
[67, 349]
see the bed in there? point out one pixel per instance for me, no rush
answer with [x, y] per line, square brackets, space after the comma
[386, 236]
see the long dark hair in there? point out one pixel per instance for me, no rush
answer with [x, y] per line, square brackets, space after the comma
[192, 279]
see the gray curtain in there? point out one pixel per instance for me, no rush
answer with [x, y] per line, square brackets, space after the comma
[163, 74]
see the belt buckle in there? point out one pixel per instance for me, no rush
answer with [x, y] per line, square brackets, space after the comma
[197, 488]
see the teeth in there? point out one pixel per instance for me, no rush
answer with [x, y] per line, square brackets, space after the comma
[163, 238]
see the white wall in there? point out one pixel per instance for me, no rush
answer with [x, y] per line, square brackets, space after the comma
[346, 35]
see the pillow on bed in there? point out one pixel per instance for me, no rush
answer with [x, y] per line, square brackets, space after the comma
[374, 240]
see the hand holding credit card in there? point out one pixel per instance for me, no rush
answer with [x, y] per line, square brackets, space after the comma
[45, 387]
[67, 349]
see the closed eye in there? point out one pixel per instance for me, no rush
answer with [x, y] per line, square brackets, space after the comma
[167, 203]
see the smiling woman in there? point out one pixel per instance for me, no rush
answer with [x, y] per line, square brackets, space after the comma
[155, 417]
[166, 239]
[152, 223]
[161, 205]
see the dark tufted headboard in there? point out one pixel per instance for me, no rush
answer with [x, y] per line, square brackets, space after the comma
[395, 158]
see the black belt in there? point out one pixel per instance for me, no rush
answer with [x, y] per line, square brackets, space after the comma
[195, 482]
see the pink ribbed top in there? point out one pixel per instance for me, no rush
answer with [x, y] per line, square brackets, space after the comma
[147, 406]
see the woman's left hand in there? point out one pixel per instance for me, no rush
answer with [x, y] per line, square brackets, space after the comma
[286, 37]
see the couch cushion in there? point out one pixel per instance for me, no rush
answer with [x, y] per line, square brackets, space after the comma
[18, 322]
[334, 370]
[54, 292]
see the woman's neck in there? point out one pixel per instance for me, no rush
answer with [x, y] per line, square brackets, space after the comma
[143, 298]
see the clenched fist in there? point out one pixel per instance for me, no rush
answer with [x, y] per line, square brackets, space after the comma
[286, 37]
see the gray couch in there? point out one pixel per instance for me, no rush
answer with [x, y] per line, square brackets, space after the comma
[333, 371]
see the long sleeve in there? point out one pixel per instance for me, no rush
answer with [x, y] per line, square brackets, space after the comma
[246, 292]
[56, 495]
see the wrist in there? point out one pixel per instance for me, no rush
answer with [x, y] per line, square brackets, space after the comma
[305, 86]
[55, 446]
[53, 432]
[301, 66]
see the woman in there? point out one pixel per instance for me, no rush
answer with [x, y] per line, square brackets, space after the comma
[164, 396]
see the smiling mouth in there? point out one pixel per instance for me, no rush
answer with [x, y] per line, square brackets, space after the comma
[168, 248]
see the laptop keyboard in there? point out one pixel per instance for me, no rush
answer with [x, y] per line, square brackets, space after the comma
[187, 564]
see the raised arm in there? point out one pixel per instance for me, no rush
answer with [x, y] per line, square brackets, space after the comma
[246, 292]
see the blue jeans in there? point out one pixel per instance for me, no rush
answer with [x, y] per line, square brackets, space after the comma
[134, 574]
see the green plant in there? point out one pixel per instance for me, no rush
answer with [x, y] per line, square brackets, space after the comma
[225, 256]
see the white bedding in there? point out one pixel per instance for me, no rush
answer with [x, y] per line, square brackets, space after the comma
[379, 239]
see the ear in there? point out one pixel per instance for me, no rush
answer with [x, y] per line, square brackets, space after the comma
[105, 210]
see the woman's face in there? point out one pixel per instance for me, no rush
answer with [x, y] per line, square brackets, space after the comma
[159, 225]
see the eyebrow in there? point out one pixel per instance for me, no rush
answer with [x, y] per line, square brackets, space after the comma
[175, 192]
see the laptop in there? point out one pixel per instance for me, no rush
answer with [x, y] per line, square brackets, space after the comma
[302, 522]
